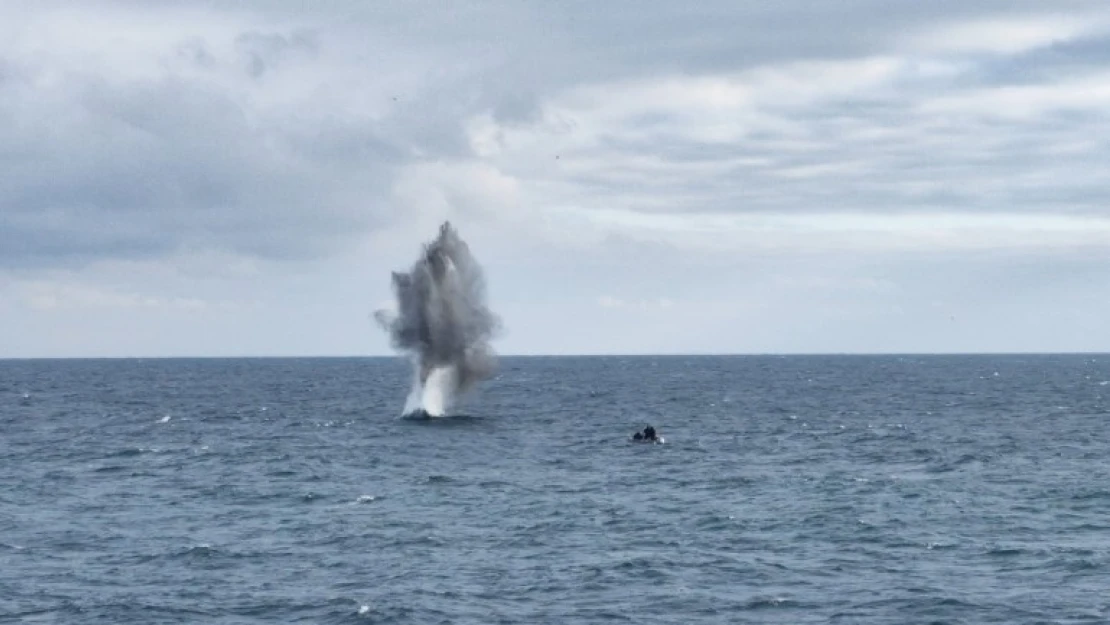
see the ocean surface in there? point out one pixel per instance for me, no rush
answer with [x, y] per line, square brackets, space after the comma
[800, 489]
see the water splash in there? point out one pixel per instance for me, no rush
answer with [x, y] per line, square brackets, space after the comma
[443, 323]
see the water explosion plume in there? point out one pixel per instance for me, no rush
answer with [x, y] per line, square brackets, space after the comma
[442, 321]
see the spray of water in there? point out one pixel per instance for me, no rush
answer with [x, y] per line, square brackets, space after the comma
[442, 323]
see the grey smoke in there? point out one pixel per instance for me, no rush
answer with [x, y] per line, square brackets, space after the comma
[443, 322]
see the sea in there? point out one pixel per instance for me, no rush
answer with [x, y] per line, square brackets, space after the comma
[789, 489]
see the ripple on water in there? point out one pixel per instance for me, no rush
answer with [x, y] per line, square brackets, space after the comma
[905, 489]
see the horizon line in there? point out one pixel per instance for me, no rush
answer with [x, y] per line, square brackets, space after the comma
[581, 355]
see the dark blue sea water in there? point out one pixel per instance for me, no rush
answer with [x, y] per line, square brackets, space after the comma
[790, 490]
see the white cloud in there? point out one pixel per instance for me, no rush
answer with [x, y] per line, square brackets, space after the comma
[42, 295]
[1088, 93]
[858, 232]
[1008, 34]
[441, 190]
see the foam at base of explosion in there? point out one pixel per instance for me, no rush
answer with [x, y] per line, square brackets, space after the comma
[433, 397]
[438, 390]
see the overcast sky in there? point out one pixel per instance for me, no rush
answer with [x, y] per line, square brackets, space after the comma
[240, 178]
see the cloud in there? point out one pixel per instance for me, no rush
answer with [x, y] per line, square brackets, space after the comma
[608, 301]
[860, 232]
[1027, 102]
[45, 295]
[180, 177]
[1008, 35]
[200, 135]
[270, 132]
[908, 147]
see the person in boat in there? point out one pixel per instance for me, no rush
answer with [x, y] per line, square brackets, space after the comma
[649, 434]
[638, 436]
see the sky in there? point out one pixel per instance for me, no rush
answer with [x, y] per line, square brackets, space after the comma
[240, 179]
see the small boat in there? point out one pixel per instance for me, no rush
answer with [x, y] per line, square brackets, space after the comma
[647, 436]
